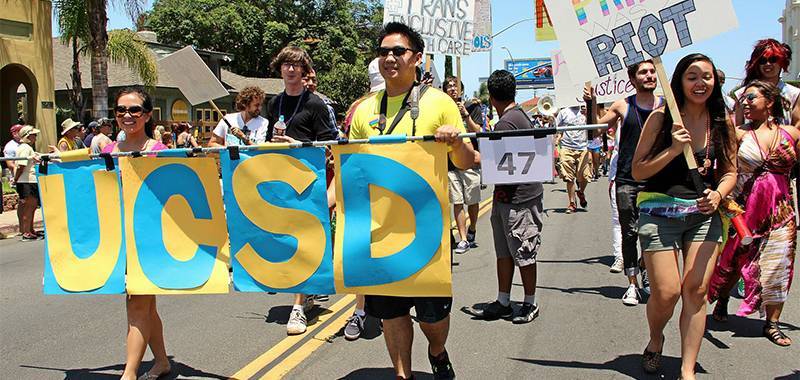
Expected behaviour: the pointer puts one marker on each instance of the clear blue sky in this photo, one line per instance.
(757, 20)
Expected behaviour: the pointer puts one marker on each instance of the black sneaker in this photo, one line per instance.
(471, 239)
(496, 310)
(441, 366)
(526, 314)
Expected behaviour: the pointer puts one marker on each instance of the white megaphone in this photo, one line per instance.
(547, 105)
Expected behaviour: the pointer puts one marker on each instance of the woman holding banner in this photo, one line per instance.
(133, 112)
(673, 218)
(767, 153)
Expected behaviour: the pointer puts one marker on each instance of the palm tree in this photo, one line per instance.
(89, 28)
(73, 25)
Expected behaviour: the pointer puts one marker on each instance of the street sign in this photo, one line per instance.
(532, 72)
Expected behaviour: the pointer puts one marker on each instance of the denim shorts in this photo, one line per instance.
(657, 233)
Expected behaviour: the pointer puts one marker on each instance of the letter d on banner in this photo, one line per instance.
(84, 250)
(174, 226)
(392, 207)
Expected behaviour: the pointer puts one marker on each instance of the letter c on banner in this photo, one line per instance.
(161, 266)
(359, 172)
(83, 271)
(311, 239)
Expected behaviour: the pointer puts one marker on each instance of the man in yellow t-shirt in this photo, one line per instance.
(400, 52)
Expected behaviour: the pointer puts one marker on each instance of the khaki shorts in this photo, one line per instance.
(575, 164)
(516, 229)
(657, 233)
(465, 187)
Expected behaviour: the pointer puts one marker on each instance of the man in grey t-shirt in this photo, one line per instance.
(516, 216)
(574, 155)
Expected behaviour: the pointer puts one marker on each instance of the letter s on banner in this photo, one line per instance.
(392, 206)
(84, 251)
(174, 226)
(277, 209)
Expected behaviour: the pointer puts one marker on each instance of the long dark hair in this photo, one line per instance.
(771, 93)
(147, 104)
(722, 135)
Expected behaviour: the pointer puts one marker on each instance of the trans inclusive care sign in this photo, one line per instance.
(606, 36)
(446, 25)
(157, 225)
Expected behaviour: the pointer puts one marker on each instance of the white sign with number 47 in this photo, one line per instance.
(511, 160)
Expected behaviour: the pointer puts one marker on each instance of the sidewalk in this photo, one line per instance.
(9, 227)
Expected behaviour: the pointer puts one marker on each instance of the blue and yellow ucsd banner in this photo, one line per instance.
(174, 226)
(277, 212)
(392, 209)
(84, 249)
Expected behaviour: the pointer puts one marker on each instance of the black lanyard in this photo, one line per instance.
(402, 112)
(296, 107)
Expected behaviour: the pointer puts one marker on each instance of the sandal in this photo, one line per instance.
(651, 361)
(720, 313)
(773, 332)
(153, 376)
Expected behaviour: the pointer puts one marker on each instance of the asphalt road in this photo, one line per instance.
(583, 331)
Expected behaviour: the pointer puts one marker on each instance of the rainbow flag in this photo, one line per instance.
(659, 204)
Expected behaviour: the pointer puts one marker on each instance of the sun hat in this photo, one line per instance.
(68, 124)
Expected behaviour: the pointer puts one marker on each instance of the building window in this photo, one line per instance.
(156, 113)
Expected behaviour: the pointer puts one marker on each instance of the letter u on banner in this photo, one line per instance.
(84, 250)
(277, 209)
(392, 205)
(174, 226)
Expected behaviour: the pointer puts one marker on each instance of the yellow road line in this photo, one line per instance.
(482, 208)
(304, 351)
(279, 349)
(307, 348)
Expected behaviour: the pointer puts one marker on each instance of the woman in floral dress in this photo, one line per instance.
(767, 152)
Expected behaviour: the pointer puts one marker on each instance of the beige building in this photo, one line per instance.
(791, 36)
(26, 60)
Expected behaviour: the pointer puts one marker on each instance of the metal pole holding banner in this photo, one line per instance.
(388, 139)
(688, 152)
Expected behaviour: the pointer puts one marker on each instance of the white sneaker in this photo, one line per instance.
(462, 247)
(617, 266)
(631, 297)
(297, 322)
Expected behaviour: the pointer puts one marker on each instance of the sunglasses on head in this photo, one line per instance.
(765, 60)
(396, 51)
(134, 111)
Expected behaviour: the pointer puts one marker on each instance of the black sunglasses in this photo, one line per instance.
(749, 97)
(135, 111)
(396, 51)
(765, 60)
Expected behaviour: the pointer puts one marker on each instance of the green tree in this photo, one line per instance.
(482, 94)
(339, 35)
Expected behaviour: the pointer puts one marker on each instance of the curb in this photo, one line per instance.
(12, 230)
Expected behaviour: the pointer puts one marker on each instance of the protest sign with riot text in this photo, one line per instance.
(611, 35)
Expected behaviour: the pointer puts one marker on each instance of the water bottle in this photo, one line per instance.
(280, 127)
